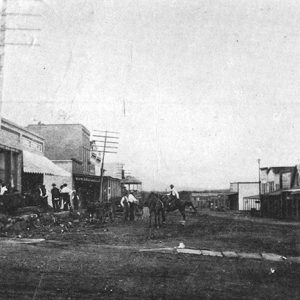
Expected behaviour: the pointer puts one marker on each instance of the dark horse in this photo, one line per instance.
(180, 204)
(159, 204)
(156, 208)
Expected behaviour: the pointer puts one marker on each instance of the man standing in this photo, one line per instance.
(66, 196)
(3, 189)
(55, 197)
(44, 196)
(125, 204)
(132, 202)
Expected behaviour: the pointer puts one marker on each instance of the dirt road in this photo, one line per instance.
(103, 262)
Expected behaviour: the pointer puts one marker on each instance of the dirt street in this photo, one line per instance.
(104, 262)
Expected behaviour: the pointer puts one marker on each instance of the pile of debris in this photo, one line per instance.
(31, 221)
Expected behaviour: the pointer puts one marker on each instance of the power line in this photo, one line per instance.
(104, 136)
(21, 14)
(116, 132)
(112, 147)
(108, 142)
(21, 44)
(20, 29)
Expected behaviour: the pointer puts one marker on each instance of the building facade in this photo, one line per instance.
(22, 161)
(69, 146)
(239, 191)
(276, 178)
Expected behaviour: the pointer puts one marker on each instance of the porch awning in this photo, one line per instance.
(35, 163)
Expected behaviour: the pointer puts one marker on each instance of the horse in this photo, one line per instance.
(179, 204)
(156, 209)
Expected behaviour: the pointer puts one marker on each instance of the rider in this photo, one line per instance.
(174, 196)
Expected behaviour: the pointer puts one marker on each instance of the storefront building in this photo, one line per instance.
(22, 161)
(69, 147)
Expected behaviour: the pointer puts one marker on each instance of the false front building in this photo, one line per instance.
(23, 165)
(69, 146)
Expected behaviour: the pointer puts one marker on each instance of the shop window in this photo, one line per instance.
(271, 186)
(263, 188)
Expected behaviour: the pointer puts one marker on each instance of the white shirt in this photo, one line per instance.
(65, 189)
(174, 193)
(122, 200)
(3, 190)
(130, 198)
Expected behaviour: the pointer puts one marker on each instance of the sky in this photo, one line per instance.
(199, 90)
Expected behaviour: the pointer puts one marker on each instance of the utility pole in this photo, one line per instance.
(2, 44)
(3, 29)
(107, 140)
(259, 183)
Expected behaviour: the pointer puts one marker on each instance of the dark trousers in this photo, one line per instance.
(56, 204)
(126, 211)
(76, 203)
(66, 201)
(44, 201)
(131, 211)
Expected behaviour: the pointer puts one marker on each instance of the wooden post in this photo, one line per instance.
(102, 169)
(2, 47)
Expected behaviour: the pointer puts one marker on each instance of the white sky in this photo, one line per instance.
(209, 86)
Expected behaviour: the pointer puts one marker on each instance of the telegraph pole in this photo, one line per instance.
(107, 140)
(2, 44)
(3, 29)
(258, 161)
(259, 183)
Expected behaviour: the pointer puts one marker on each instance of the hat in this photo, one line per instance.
(53, 184)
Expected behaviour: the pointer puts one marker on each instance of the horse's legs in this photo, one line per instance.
(158, 219)
(182, 211)
(163, 216)
(150, 217)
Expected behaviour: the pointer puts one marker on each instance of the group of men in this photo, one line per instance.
(64, 198)
(129, 202)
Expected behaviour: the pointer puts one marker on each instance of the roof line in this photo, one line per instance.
(20, 128)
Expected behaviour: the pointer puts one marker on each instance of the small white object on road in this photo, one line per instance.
(181, 246)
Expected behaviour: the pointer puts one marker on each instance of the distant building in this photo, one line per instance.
(208, 199)
(275, 178)
(239, 191)
(280, 197)
(111, 188)
(132, 184)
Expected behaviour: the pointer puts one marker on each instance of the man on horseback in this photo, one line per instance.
(174, 197)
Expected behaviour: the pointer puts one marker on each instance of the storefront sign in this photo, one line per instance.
(87, 179)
